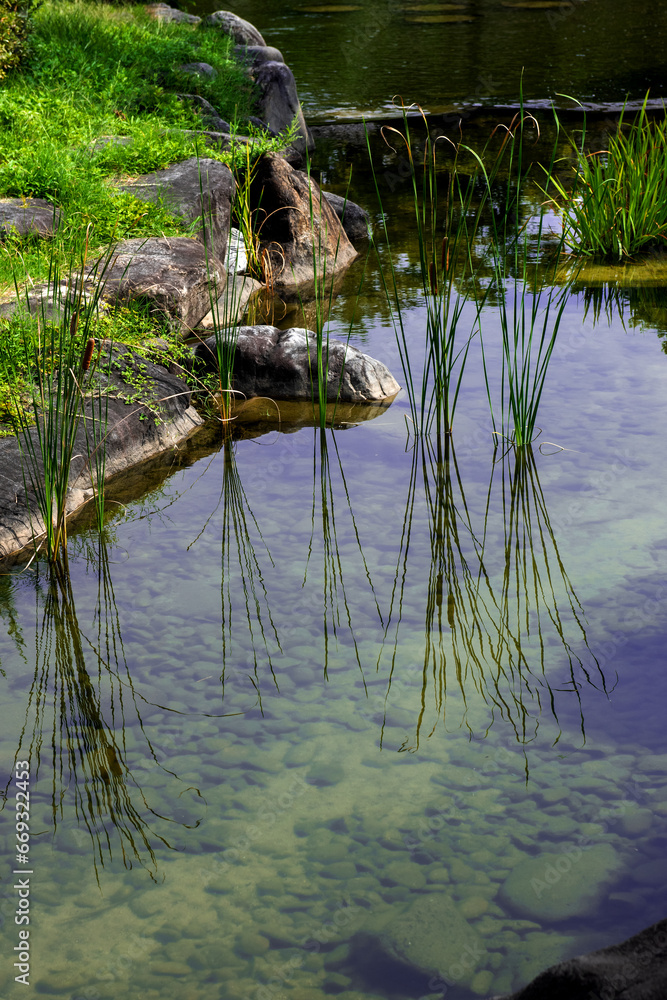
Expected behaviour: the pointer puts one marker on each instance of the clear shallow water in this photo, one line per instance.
(318, 696)
(485, 742)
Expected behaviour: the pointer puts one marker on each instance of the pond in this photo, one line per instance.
(317, 700)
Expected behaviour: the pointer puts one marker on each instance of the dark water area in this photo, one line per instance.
(351, 60)
(328, 713)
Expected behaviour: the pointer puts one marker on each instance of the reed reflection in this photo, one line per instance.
(336, 605)
(248, 632)
(502, 621)
(80, 706)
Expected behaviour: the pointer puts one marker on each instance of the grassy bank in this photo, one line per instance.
(95, 71)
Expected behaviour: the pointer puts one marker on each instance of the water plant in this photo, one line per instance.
(321, 293)
(48, 371)
(243, 591)
(446, 223)
(335, 602)
(616, 205)
(529, 305)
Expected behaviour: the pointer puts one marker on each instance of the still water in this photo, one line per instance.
(352, 59)
(336, 714)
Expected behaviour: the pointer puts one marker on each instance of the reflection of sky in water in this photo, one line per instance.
(335, 821)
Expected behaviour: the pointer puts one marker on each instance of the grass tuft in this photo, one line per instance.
(617, 206)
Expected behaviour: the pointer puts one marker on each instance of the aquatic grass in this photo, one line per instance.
(56, 355)
(222, 299)
(242, 578)
(446, 223)
(322, 296)
(250, 218)
(616, 206)
(529, 305)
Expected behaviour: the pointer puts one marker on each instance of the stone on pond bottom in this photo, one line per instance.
(554, 887)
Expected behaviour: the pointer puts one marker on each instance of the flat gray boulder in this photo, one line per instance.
(353, 217)
(28, 215)
(278, 104)
(633, 970)
(180, 187)
(281, 364)
(172, 274)
(243, 32)
(282, 198)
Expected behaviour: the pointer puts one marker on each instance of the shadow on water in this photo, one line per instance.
(502, 621)
(80, 705)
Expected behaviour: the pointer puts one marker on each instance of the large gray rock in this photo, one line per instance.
(172, 274)
(432, 937)
(49, 302)
(202, 70)
(282, 199)
(633, 970)
(28, 215)
(134, 432)
(163, 12)
(278, 104)
(180, 189)
(232, 303)
(353, 217)
(281, 364)
(243, 32)
(255, 55)
(210, 118)
(554, 887)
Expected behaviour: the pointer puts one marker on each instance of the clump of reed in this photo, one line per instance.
(82, 702)
(322, 295)
(446, 223)
(617, 205)
(49, 376)
(508, 632)
(529, 305)
(478, 265)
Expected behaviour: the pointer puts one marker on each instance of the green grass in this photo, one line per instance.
(617, 205)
